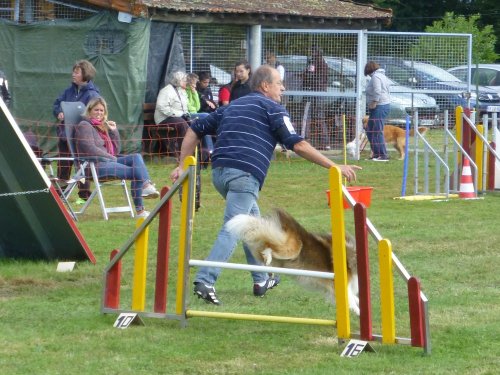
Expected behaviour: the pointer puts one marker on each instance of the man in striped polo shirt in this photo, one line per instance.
(247, 132)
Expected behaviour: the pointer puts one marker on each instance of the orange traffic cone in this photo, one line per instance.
(466, 185)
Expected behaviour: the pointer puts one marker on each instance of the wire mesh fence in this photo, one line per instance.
(323, 75)
(42, 10)
(214, 49)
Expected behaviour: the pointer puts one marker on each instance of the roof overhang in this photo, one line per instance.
(336, 14)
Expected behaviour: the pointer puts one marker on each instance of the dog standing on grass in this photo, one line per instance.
(278, 240)
(392, 135)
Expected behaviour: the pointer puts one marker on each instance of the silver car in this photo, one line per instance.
(342, 84)
(487, 75)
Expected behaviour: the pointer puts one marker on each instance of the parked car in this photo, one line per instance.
(487, 75)
(342, 81)
(437, 81)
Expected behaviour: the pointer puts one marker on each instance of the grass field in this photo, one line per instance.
(50, 323)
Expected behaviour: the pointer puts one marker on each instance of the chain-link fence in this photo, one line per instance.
(320, 75)
(325, 81)
(214, 49)
(42, 10)
(323, 69)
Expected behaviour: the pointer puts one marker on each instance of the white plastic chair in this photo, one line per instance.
(73, 112)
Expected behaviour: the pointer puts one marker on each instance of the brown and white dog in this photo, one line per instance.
(392, 135)
(278, 240)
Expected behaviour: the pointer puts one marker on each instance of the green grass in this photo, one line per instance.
(50, 323)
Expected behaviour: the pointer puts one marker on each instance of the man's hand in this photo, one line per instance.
(175, 174)
(349, 171)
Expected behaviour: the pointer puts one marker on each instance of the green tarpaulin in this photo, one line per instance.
(38, 59)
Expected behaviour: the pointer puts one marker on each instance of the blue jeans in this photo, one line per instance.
(241, 191)
(127, 167)
(375, 130)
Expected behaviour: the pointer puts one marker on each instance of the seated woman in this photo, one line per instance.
(172, 107)
(96, 136)
(194, 105)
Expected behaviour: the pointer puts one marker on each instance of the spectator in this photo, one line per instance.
(194, 105)
(315, 78)
(271, 60)
(242, 73)
(207, 103)
(225, 93)
(4, 89)
(378, 99)
(172, 107)
(98, 137)
(82, 89)
(247, 132)
(193, 99)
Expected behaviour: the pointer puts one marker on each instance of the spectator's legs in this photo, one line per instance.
(129, 167)
(375, 130)
(180, 125)
(64, 166)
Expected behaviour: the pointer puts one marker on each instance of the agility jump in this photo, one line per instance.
(469, 141)
(417, 300)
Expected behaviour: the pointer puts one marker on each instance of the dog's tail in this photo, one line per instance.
(256, 231)
(421, 130)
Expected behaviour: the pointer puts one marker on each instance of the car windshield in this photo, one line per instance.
(222, 77)
(433, 73)
(346, 66)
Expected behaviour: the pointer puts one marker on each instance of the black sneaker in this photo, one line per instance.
(259, 291)
(206, 292)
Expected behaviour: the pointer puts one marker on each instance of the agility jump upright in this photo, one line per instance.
(111, 290)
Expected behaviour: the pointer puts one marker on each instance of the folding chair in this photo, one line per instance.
(72, 116)
(46, 162)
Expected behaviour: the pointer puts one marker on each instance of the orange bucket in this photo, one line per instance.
(365, 195)
(361, 194)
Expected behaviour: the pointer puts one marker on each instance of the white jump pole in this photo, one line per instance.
(248, 267)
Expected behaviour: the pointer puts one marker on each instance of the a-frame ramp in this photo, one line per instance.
(34, 223)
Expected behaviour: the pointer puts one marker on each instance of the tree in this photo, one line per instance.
(483, 39)
(417, 15)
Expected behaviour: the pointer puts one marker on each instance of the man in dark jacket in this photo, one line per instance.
(315, 78)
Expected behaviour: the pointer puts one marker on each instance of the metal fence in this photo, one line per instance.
(323, 73)
(42, 10)
(325, 81)
(214, 49)
(323, 69)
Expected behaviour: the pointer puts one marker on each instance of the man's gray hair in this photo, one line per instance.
(264, 73)
(177, 77)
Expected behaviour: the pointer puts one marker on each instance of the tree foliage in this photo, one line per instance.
(483, 39)
(418, 15)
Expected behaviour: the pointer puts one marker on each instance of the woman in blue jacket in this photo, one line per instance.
(82, 89)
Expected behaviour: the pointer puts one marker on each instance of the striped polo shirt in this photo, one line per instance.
(247, 131)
